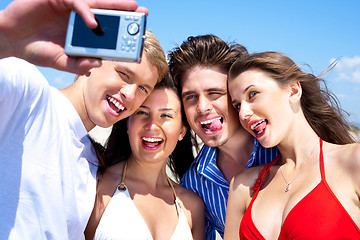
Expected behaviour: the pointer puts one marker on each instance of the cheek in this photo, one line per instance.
(139, 99)
(189, 113)
(172, 131)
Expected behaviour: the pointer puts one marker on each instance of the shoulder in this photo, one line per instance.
(17, 67)
(348, 154)
(247, 178)
(240, 193)
(17, 74)
(343, 159)
(190, 199)
(192, 204)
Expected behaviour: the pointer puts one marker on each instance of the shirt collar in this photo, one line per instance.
(207, 164)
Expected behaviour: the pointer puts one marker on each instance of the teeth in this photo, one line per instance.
(152, 139)
(116, 103)
(256, 124)
(210, 121)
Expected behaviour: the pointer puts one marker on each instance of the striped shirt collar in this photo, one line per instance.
(207, 164)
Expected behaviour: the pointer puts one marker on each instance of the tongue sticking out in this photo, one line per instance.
(260, 127)
(215, 125)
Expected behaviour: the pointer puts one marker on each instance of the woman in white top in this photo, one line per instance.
(135, 198)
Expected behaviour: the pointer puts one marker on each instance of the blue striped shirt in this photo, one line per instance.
(205, 179)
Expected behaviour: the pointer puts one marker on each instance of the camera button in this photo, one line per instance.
(133, 28)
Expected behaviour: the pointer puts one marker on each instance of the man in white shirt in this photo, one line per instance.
(47, 166)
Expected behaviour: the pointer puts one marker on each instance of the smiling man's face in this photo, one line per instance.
(207, 105)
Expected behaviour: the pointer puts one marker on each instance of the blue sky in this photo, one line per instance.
(310, 32)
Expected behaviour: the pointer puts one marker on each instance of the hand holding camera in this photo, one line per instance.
(40, 41)
(118, 36)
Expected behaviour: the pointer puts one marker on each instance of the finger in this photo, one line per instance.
(143, 10)
(83, 8)
(77, 65)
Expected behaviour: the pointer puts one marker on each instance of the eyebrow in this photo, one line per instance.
(187, 93)
(245, 90)
(165, 109)
(207, 90)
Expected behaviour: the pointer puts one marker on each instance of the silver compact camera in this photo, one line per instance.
(119, 36)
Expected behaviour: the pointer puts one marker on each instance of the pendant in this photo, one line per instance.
(122, 187)
(287, 187)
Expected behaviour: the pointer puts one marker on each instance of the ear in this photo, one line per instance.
(182, 132)
(295, 92)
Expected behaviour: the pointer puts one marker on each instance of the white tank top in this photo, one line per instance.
(121, 220)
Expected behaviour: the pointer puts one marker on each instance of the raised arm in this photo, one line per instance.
(36, 30)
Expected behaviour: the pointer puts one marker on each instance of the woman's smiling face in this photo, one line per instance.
(264, 106)
(155, 128)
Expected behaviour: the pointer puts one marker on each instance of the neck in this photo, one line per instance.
(299, 143)
(234, 154)
(151, 174)
(75, 95)
(238, 148)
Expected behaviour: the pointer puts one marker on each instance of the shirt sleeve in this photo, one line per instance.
(21, 84)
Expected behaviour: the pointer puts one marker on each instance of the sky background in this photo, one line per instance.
(310, 32)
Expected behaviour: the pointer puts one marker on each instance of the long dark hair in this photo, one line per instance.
(321, 108)
(117, 147)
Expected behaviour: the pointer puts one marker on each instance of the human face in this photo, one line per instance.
(116, 89)
(264, 106)
(207, 105)
(155, 128)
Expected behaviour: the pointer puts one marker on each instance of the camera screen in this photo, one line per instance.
(85, 37)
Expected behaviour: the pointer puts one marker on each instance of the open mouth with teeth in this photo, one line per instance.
(115, 104)
(151, 143)
(214, 124)
(259, 127)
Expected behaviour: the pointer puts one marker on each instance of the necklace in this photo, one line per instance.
(287, 188)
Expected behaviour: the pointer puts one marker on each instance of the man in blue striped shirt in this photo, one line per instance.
(200, 67)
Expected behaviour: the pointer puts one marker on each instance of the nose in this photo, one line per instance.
(128, 91)
(151, 123)
(203, 105)
(245, 111)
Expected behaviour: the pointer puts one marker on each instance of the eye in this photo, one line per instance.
(140, 112)
(166, 115)
(121, 73)
(252, 94)
(215, 93)
(189, 97)
(142, 88)
(237, 106)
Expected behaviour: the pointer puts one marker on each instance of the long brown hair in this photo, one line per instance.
(321, 107)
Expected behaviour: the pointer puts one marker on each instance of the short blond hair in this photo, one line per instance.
(155, 54)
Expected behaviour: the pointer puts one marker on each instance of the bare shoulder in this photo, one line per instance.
(190, 199)
(348, 154)
(344, 157)
(194, 210)
(247, 178)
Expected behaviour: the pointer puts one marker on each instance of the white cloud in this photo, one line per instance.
(347, 69)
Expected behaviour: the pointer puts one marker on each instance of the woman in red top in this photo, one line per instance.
(312, 189)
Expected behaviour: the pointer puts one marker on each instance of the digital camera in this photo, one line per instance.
(119, 36)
